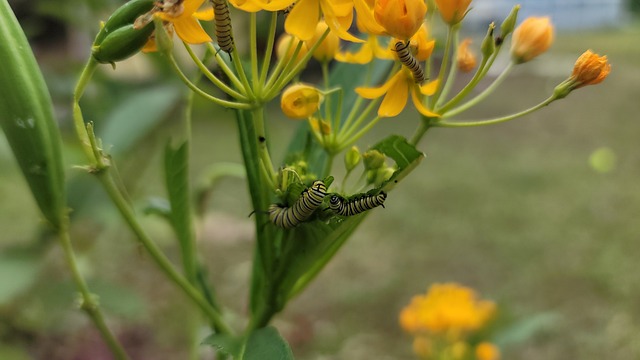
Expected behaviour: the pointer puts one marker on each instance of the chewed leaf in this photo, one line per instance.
(266, 343)
(406, 156)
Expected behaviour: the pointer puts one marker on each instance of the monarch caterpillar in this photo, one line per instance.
(344, 207)
(309, 201)
(223, 25)
(407, 59)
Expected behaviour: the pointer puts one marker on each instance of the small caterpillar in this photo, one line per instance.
(344, 207)
(222, 18)
(407, 59)
(301, 210)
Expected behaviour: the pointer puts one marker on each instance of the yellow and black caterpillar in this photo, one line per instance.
(407, 59)
(301, 210)
(344, 207)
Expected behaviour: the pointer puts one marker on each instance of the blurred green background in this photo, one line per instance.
(539, 215)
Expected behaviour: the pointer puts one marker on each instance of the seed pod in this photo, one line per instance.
(26, 117)
(124, 15)
(121, 44)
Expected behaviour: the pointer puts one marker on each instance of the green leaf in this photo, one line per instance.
(404, 154)
(267, 344)
(526, 329)
(26, 117)
(225, 343)
(137, 116)
(176, 166)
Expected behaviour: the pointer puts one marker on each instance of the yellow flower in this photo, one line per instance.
(446, 309)
(320, 126)
(327, 50)
(186, 23)
(370, 49)
(396, 93)
(487, 351)
(286, 47)
(533, 37)
(365, 19)
(423, 45)
(423, 347)
(299, 101)
(452, 11)
(590, 69)
(400, 18)
(466, 60)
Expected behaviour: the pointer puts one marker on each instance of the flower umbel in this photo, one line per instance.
(446, 308)
(300, 101)
(532, 38)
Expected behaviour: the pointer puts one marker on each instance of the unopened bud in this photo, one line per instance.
(373, 159)
(352, 158)
(509, 22)
(488, 44)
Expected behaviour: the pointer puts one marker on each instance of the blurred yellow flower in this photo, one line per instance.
(590, 69)
(452, 11)
(400, 18)
(533, 37)
(487, 351)
(396, 93)
(286, 48)
(366, 53)
(422, 43)
(446, 308)
(466, 59)
(327, 50)
(300, 101)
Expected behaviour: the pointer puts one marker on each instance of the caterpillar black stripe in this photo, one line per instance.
(407, 59)
(301, 210)
(343, 207)
(222, 18)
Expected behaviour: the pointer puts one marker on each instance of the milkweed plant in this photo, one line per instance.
(374, 56)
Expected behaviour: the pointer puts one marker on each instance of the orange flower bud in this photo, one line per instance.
(299, 101)
(466, 60)
(286, 47)
(590, 69)
(329, 47)
(531, 38)
(400, 18)
(452, 11)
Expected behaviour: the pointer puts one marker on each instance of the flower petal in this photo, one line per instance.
(274, 5)
(396, 98)
(190, 31)
(339, 24)
(302, 20)
(205, 14)
(429, 88)
(366, 21)
(190, 7)
(417, 102)
(363, 56)
(376, 92)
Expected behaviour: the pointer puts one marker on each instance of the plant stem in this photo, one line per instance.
(425, 125)
(217, 82)
(161, 260)
(490, 89)
(443, 123)
(268, 49)
(89, 303)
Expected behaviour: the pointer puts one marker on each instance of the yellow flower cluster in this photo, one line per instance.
(443, 318)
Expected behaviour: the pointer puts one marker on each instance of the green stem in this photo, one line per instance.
(353, 138)
(454, 68)
(490, 89)
(445, 63)
(425, 125)
(269, 49)
(197, 90)
(225, 67)
(161, 260)
(327, 100)
(443, 123)
(348, 129)
(217, 82)
(253, 45)
(263, 150)
(78, 121)
(89, 303)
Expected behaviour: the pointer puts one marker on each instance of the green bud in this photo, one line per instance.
(372, 175)
(121, 44)
(124, 15)
(488, 44)
(164, 41)
(373, 159)
(352, 158)
(509, 23)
